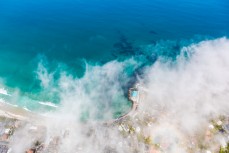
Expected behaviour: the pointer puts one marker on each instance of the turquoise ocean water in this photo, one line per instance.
(68, 36)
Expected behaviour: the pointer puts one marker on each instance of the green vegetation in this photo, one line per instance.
(148, 140)
(219, 127)
(37, 143)
(224, 149)
(131, 129)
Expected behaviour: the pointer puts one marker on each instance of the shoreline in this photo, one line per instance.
(15, 112)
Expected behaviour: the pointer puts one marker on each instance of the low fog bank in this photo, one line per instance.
(181, 95)
(193, 88)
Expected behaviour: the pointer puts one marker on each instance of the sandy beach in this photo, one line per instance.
(10, 111)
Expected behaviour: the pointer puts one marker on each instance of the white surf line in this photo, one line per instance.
(4, 102)
(25, 108)
(4, 92)
(20, 113)
(48, 104)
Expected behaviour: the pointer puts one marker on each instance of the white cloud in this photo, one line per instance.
(183, 95)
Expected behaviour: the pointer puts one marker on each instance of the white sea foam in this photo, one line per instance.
(47, 103)
(25, 108)
(3, 101)
(4, 91)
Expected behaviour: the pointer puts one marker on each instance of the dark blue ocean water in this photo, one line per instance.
(97, 31)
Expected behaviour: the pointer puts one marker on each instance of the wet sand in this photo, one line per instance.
(10, 111)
